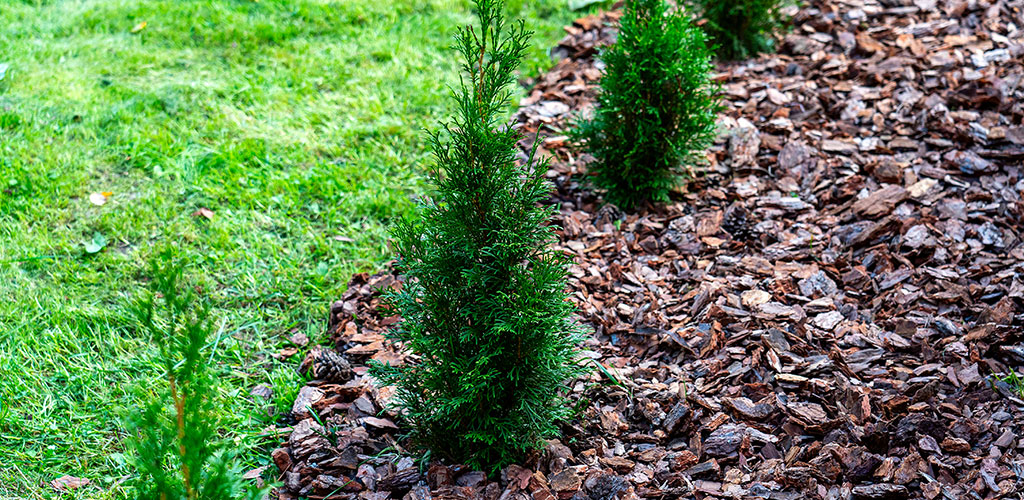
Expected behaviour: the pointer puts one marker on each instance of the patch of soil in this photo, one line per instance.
(821, 315)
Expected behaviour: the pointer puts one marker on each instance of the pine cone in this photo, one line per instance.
(326, 364)
(738, 224)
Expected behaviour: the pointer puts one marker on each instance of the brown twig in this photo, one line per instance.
(179, 408)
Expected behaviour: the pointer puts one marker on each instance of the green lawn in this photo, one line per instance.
(298, 123)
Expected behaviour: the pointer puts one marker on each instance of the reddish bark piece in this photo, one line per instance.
(880, 202)
(567, 480)
(379, 423)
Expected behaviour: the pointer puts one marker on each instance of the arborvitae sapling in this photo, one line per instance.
(178, 453)
(742, 28)
(656, 107)
(484, 305)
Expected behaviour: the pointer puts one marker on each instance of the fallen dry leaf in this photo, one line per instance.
(100, 199)
(380, 423)
(68, 483)
(256, 474)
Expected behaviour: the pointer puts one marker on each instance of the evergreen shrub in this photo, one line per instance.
(742, 28)
(656, 107)
(484, 304)
(178, 453)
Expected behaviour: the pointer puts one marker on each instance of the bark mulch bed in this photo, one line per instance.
(822, 314)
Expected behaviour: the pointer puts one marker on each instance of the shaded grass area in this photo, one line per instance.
(297, 123)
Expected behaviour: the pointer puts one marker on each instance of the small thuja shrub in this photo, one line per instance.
(178, 454)
(742, 28)
(656, 107)
(484, 305)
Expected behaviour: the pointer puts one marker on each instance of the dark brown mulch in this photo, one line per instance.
(822, 315)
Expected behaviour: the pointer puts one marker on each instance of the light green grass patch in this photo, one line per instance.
(298, 123)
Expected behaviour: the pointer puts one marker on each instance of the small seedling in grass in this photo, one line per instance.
(1016, 382)
(656, 109)
(423, 461)
(613, 378)
(284, 384)
(581, 405)
(484, 306)
(330, 432)
(178, 453)
(97, 243)
(742, 28)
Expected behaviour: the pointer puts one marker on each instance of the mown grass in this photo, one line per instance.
(298, 123)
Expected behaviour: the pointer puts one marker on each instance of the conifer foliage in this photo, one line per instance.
(656, 107)
(484, 305)
(178, 453)
(742, 28)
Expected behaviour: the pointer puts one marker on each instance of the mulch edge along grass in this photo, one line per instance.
(829, 313)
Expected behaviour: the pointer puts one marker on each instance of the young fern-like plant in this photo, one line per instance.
(742, 28)
(178, 453)
(484, 306)
(656, 107)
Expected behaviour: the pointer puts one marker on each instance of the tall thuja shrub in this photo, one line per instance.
(484, 306)
(656, 107)
(742, 28)
(178, 453)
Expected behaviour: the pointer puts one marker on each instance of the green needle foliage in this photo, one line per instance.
(484, 307)
(656, 108)
(742, 28)
(178, 452)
